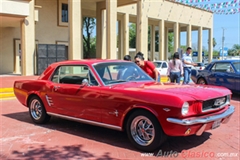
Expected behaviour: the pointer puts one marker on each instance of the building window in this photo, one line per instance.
(64, 12)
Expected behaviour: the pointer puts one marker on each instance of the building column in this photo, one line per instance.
(179, 37)
(176, 33)
(126, 34)
(166, 44)
(161, 40)
(120, 39)
(142, 28)
(111, 7)
(28, 42)
(210, 45)
(200, 44)
(153, 41)
(75, 30)
(189, 35)
(104, 35)
(99, 30)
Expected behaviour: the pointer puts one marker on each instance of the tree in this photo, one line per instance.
(132, 35)
(235, 50)
(89, 42)
(170, 42)
(214, 42)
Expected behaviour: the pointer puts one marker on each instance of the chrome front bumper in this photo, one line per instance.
(203, 120)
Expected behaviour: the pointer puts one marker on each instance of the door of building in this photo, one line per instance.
(17, 56)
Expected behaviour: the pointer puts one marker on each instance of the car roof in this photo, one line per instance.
(85, 61)
(229, 61)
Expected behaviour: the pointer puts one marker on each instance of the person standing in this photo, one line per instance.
(127, 58)
(175, 69)
(187, 65)
(147, 66)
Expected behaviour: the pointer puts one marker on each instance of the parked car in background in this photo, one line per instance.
(103, 93)
(200, 66)
(220, 73)
(162, 67)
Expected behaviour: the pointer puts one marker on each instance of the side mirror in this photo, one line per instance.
(85, 82)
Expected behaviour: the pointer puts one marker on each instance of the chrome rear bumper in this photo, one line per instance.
(203, 120)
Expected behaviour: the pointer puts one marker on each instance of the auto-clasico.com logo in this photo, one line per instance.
(188, 154)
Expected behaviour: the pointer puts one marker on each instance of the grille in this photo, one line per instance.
(209, 104)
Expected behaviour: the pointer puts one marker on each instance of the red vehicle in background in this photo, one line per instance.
(118, 95)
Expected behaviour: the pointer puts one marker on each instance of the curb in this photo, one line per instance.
(6, 93)
(2, 90)
(164, 79)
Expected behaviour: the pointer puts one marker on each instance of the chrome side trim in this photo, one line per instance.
(86, 121)
(191, 121)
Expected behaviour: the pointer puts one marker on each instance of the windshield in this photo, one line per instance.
(237, 66)
(118, 72)
(157, 64)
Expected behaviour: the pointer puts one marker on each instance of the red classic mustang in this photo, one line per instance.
(117, 94)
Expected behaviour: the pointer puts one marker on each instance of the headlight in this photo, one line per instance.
(185, 108)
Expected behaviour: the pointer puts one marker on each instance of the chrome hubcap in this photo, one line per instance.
(36, 109)
(142, 130)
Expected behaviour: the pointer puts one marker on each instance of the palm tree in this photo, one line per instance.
(214, 43)
(235, 50)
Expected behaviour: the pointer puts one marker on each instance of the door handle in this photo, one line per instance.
(55, 88)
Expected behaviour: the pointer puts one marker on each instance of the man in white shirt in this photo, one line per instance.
(187, 65)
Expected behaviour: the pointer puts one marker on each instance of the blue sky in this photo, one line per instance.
(230, 23)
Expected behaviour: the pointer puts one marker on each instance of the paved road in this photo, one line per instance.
(63, 139)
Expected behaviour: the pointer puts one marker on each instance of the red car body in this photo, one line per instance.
(133, 104)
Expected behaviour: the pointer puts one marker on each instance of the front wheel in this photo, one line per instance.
(144, 131)
(37, 111)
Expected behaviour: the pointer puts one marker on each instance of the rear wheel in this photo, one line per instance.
(37, 110)
(144, 131)
(201, 81)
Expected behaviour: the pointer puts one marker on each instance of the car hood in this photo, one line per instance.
(198, 92)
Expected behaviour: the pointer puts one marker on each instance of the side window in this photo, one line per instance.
(73, 75)
(230, 69)
(222, 67)
(213, 68)
(164, 65)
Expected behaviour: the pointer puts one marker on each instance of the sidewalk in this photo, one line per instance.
(6, 84)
